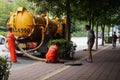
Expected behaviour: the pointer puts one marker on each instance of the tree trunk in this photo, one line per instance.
(93, 22)
(103, 30)
(68, 22)
(108, 31)
(96, 34)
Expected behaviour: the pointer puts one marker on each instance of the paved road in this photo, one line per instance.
(24, 61)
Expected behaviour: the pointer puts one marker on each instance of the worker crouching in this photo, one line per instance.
(52, 54)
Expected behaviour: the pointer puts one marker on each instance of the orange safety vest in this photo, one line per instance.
(52, 54)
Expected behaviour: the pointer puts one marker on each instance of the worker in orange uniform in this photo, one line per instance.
(11, 45)
(52, 54)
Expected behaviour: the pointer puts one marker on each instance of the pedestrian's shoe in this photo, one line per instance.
(89, 61)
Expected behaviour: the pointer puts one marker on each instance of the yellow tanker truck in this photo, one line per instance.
(34, 31)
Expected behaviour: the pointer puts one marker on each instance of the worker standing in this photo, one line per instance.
(11, 45)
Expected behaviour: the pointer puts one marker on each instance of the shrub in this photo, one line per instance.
(5, 66)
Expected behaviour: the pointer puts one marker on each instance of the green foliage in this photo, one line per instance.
(105, 11)
(24, 3)
(79, 34)
(108, 39)
(4, 11)
(5, 66)
(3, 33)
(64, 48)
(79, 30)
(7, 7)
(2, 28)
(54, 7)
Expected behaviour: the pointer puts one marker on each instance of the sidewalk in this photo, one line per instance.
(105, 67)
